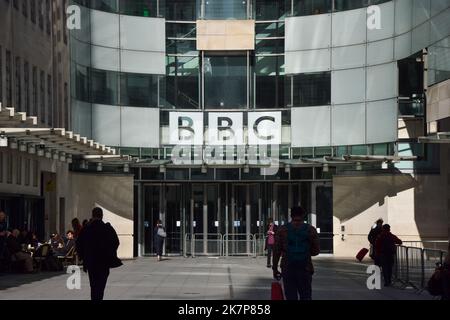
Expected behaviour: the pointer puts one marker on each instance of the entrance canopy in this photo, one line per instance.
(17, 131)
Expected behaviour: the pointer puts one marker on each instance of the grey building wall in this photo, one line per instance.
(33, 36)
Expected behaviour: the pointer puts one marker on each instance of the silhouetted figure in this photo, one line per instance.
(386, 250)
(3, 230)
(15, 249)
(270, 240)
(372, 237)
(446, 276)
(295, 243)
(97, 247)
(159, 235)
(76, 227)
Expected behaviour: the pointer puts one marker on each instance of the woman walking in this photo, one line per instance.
(159, 234)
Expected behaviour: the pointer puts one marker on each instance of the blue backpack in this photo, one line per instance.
(298, 247)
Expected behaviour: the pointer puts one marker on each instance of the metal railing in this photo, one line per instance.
(206, 244)
(414, 266)
(239, 244)
(428, 244)
(216, 244)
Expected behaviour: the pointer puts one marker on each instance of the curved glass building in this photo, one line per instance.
(340, 85)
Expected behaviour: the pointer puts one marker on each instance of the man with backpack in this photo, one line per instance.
(295, 244)
(386, 250)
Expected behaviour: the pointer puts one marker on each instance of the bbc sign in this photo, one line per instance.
(187, 128)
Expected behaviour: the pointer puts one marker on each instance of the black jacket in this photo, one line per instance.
(373, 234)
(97, 245)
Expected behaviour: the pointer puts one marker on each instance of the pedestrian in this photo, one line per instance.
(372, 237)
(270, 240)
(296, 243)
(97, 247)
(386, 250)
(159, 235)
(76, 227)
(3, 230)
(446, 276)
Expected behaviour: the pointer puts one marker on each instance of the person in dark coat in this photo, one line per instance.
(270, 240)
(97, 247)
(446, 277)
(372, 237)
(386, 250)
(3, 230)
(159, 234)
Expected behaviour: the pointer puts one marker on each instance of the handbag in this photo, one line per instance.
(161, 232)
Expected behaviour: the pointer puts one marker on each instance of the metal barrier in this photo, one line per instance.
(238, 244)
(428, 244)
(260, 244)
(414, 266)
(206, 245)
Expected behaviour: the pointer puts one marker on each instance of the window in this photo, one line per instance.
(82, 83)
(25, 8)
(47, 16)
(18, 102)
(41, 110)
(181, 10)
(34, 105)
(143, 8)
(26, 82)
(140, 90)
(27, 171)
(1, 167)
(40, 16)
(33, 11)
(8, 78)
(1, 74)
(270, 9)
(64, 21)
(9, 168)
(49, 100)
(310, 7)
(19, 170)
(313, 89)
(270, 82)
(104, 5)
(35, 173)
(104, 87)
(182, 82)
(225, 81)
(226, 9)
(66, 106)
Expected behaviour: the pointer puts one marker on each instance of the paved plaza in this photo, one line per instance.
(203, 278)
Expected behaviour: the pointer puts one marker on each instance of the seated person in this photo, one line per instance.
(57, 245)
(15, 249)
(70, 241)
(35, 243)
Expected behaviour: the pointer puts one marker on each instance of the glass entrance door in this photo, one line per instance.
(163, 202)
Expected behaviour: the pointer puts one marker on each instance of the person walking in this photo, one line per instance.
(372, 237)
(386, 250)
(159, 235)
(97, 246)
(3, 230)
(446, 276)
(270, 240)
(295, 244)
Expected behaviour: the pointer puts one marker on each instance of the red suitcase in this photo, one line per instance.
(361, 254)
(277, 291)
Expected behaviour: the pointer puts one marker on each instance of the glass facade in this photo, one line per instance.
(225, 82)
